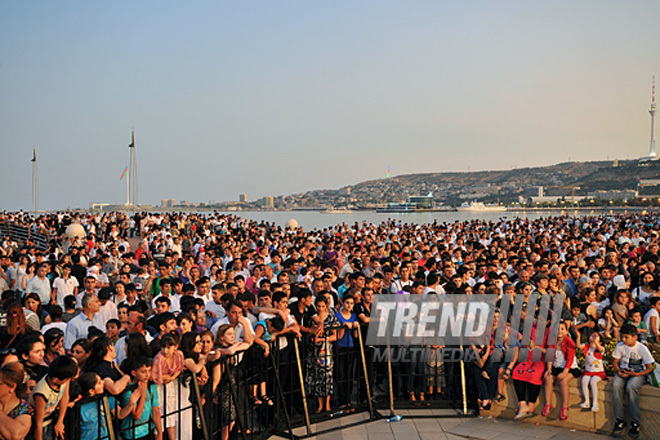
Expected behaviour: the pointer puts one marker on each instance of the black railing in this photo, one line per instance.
(297, 377)
(22, 233)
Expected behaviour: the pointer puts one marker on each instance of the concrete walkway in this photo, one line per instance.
(436, 425)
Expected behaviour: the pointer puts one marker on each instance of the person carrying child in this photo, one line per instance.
(632, 362)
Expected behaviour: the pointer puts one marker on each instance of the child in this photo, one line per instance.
(168, 365)
(112, 328)
(578, 321)
(92, 418)
(264, 332)
(636, 320)
(50, 393)
(632, 362)
(594, 370)
(607, 325)
(146, 414)
(562, 368)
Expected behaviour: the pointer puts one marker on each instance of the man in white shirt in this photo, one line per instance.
(214, 307)
(107, 309)
(64, 285)
(242, 329)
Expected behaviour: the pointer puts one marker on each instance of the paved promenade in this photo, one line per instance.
(441, 428)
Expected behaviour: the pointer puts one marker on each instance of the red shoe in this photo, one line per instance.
(546, 410)
(563, 415)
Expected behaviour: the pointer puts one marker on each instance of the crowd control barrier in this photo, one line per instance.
(292, 385)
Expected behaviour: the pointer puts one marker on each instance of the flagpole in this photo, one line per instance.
(128, 192)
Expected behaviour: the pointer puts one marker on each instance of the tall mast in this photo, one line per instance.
(652, 112)
(133, 173)
(35, 181)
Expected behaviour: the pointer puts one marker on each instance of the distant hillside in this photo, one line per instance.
(453, 188)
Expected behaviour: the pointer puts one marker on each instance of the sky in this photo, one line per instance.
(281, 97)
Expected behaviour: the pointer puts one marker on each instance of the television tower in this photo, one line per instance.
(133, 173)
(652, 112)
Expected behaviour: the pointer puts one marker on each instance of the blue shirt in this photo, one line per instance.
(131, 428)
(93, 427)
(267, 336)
(347, 339)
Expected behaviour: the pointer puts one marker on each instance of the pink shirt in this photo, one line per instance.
(162, 366)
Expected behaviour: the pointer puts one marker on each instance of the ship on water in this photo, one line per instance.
(342, 210)
(414, 204)
(480, 207)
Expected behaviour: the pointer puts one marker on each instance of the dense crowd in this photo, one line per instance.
(92, 315)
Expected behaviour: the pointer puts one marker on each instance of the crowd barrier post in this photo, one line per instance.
(463, 390)
(308, 425)
(390, 379)
(366, 374)
(234, 396)
(280, 392)
(108, 418)
(198, 399)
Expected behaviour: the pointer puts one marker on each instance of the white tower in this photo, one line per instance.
(652, 112)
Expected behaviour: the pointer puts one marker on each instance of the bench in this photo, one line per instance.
(583, 419)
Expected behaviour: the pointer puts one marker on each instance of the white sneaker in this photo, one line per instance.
(585, 404)
(595, 408)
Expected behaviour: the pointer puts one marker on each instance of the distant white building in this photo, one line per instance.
(242, 198)
(613, 195)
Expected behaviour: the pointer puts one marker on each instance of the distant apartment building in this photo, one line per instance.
(613, 195)
(242, 198)
(269, 202)
(649, 187)
(167, 203)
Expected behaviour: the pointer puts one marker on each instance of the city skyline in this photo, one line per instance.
(276, 99)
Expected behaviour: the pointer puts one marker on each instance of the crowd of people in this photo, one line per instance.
(200, 296)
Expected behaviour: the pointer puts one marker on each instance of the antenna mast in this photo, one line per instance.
(35, 181)
(133, 173)
(652, 112)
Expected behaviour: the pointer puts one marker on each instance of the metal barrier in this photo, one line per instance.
(179, 408)
(21, 233)
(298, 377)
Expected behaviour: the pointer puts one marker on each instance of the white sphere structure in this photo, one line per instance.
(292, 223)
(75, 231)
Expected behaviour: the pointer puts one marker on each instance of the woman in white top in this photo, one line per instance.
(647, 289)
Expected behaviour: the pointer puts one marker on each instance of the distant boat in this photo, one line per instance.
(336, 211)
(480, 207)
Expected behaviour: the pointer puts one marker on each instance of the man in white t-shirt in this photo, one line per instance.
(65, 285)
(632, 362)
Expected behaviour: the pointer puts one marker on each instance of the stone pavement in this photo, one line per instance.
(435, 425)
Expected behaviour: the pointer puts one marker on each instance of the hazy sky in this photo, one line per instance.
(279, 97)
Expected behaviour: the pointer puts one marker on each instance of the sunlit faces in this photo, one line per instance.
(36, 355)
